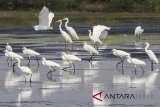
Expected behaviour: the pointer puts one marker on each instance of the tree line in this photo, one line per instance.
(84, 5)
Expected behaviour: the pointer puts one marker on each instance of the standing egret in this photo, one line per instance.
(50, 65)
(25, 70)
(151, 55)
(138, 31)
(9, 48)
(121, 54)
(97, 31)
(71, 31)
(13, 56)
(64, 34)
(69, 58)
(136, 62)
(90, 49)
(30, 53)
(45, 19)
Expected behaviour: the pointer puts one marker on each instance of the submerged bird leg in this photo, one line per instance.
(142, 70)
(152, 65)
(90, 59)
(122, 60)
(30, 79)
(14, 66)
(25, 79)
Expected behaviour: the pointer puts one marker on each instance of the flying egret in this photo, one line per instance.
(90, 49)
(13, 56)
(9, 48)
(71, 31)
(50, 64)
(69, 58)
(65, 35)
(151, 55)
(45, 20)
(138, 31)
(96, 33)
(25, 70)
(30, 53)
(136, 62)
(121, 54)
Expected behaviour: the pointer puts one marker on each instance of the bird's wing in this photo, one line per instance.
(72, 57)
(51, 63)
(67, 37)
(138, 62)
(50, 17)
(43, 17)
(26, 69)
(32, 52)
(92, 49)
(104, 34)
(122, 53)
(72, 32)
(97, 30)
(15, 55)
(152, 56)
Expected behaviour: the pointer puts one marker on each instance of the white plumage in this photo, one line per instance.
(69, 57)
(97, 31)
(8, 47)
(64, 34)
(70, 29)
(150, 54)
(12, 55)
(45, 19)
(24, 69)
(138, 30)
(30, 52)
(49, 63)
(120, 53)
(135, 61)
(90, 49)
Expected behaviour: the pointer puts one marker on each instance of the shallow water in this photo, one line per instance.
(65, 89)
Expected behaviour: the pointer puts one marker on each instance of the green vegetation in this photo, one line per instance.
(84, 5)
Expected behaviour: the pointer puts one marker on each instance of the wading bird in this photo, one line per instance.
(71, 31)
(136, 62)
(69, 58)
(121, 54)
(45, 20)
(13, 56)
(25, 70)
(138, 31)
(90, 49)
(50, 64)
(96, 33)
(30, 53)
(151, 55)
(64, 34)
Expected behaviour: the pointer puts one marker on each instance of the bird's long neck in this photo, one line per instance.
(146, 48)
(90, 33)
(66, 24)
(60, 26)
(19, 66)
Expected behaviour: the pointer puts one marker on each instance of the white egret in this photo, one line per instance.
(8, 47)
(138, 31)
(50, 64)
(121, 54)
(69, 58)
(90, 49)
(97, 31)
(25, 70)
(71, 31)
(65, 35)
(151, 55)
(45, 19)
(13, 56)
(136, 62)
(30, 53)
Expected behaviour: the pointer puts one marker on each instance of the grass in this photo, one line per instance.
(29, 18)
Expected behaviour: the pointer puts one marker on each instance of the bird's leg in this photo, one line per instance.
(65, 68)
(90, 59)
(25, 79)
(49, 74)
(29, 61)
(122, 67)
(65, 45)
(119, 62)
(14, 66)
(142, 70)
(38, 62)
(135, 70)
(73, 68)
(8, 61)
(30, 79)
(152, 65)
(96, 45)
